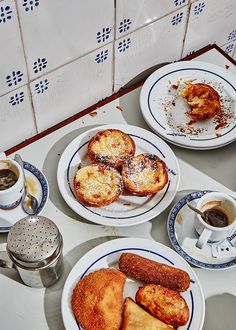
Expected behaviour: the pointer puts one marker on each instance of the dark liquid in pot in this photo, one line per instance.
(7, 179)
(216, 218)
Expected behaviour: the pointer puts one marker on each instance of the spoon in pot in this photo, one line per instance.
(29, 202)
(203, 215)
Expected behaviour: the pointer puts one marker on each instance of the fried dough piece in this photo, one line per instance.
(165, 304)
(97, 300)
(150, 271)
(98, 185)
(135, 318)
(144, 174)
(203, 100)
(111, 147)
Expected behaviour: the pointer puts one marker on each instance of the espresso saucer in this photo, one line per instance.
(38, 186)
(183, 236)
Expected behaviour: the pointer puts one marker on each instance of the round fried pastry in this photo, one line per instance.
(97, 300)
(111, 147)
(98, 185)
(144, 174)
(204, 101)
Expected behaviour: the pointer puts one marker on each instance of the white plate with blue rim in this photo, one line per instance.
(183, 237)
(128, 210)
(38, 187)
(165, 111)
(107, 255)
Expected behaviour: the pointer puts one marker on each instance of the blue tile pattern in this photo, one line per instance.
(14, 78)
(41, 86)
(232, 35)
(124, 45)
(5, 14)
(124, 25)
(177, 18)
(229, 48)
(102, 56)
(39, 65)
(103, 35)
(199, 8)
(179, 2)
(17, 98)
(30, 4)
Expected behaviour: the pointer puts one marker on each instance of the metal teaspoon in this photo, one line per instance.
(29, 202)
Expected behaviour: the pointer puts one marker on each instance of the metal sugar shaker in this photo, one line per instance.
(34, 245)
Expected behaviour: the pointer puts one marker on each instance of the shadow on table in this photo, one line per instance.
(220, 312)
(53, 294)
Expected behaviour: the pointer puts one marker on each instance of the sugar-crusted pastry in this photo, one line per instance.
(203, 100)
(97, 300)
(111, 147)
(98, 185)
(144, 174)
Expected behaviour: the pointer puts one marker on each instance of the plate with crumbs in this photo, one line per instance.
(165, 111)
(106, 255)
(129, 209)
(38, 187)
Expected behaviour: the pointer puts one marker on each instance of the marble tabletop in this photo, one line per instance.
(25, 308)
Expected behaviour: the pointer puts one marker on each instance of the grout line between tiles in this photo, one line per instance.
(113, 53)
(149, 23)
(27, 69)
(186, 26)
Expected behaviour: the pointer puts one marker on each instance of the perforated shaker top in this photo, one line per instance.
(34, 242)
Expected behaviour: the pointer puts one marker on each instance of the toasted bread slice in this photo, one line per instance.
(144, 174)
(97, 300)
(203, 100)
(135, 318)
(165, 304)
(111, 147)
(98, 185)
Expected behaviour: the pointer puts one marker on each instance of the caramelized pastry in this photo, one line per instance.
(165, 304)
(203, 100)
(111, 147)
(144, 174)
(98, 185)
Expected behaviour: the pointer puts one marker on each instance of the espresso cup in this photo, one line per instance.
(221, 209)
(11, 182)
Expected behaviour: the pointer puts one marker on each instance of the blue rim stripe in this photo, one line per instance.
(186, 69)
(110, 217)
(145, 250)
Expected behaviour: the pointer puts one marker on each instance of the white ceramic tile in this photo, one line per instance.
(72, 88)
(55, 32)
(16, 118)
(155, 43)
(229, 48)
(210, 21)
(13, 72)
(133, 14)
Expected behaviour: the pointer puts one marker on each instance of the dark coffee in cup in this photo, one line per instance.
(216, 218)
(7, 179)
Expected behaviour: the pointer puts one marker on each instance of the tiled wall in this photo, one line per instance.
(58, 57)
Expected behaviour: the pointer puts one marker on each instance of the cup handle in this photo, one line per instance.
(2, 155)
(5, 263)
(203, 238)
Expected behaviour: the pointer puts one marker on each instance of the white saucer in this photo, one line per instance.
(183, 236)
(39, 188)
